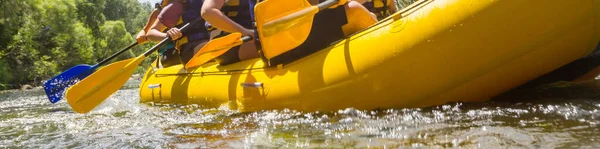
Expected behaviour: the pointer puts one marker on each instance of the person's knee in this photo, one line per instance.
(358, 18)
(373, 15)
(248, 51)
(353, 6)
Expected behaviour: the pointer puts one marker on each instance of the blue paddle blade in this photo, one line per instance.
(55, 87)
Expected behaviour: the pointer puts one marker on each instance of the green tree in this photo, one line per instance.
(124, 10)
(5, 75)
(90, 12)
(139, 20)
(64, 39)
(51, 39)
(114, 37)
(41, 38)
(20, 51)
(10, 18)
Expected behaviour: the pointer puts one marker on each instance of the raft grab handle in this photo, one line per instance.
(252, 85)
(153, 86)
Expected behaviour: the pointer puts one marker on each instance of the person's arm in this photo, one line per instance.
(392, 6)
(141, 36)
(155, 33)
(167, 18)
(212, 14)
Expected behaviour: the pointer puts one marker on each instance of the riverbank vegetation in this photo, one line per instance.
(42, 38)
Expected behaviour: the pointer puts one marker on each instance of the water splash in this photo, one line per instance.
(554, 116)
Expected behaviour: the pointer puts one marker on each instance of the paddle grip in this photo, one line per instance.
(246, 38)
(327, 4)
(185, 28)
(103, 62)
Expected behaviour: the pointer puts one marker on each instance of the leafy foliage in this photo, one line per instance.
(90, 13)
(41, 38)
(5, 75)
(114, 37)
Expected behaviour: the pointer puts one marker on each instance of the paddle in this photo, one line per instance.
(283, 25)
(300, 14)
(56, 86)
(91, 91)
(216, 47)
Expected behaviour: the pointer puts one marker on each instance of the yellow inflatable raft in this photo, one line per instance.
(430, 53)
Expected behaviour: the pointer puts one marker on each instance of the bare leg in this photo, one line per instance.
(248, 51)
(358, 16)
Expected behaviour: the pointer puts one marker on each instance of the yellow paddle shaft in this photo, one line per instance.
(300, 14)
(293, 17)
(131, 65)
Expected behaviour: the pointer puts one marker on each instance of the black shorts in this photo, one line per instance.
(187, 50)
(326, 29)
(229, 57)
(170, 58)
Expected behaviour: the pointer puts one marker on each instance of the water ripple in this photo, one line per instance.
(550, 117)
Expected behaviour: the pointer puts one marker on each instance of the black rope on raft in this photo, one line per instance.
(227, 72)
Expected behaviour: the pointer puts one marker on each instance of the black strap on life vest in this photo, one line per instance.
(257, 43)
(379, 11)
(383, 10)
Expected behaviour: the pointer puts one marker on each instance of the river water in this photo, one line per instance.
(560, 115)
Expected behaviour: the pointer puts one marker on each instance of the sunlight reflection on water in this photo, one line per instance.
(548, 117)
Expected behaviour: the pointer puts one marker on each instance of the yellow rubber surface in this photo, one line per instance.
(433, 52)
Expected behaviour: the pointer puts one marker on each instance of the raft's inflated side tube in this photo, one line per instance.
(434, 52)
